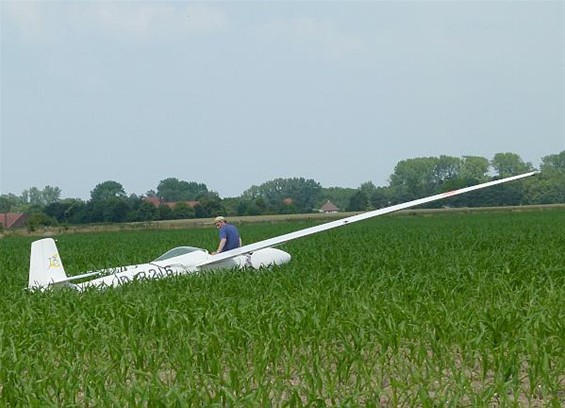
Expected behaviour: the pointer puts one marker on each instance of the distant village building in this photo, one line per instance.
(156, 201)
(13, 220)
(329, 208)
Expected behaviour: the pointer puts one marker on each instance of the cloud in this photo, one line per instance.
(206, 18)
(322, 36)
(154, 19)
(136, 19)
(45, 21)
(25, 16)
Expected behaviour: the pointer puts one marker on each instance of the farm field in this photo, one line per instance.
(442, 309)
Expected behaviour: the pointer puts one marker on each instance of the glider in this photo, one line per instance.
(46, 269)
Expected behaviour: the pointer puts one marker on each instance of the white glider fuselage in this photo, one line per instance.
(185, 264)
(47, 271)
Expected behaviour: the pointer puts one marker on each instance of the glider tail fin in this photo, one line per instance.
(45, 265)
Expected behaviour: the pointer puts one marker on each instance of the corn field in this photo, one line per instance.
(442, 310)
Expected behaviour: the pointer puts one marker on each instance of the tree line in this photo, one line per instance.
(411, 179)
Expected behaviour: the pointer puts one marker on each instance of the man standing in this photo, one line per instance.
(229, 236)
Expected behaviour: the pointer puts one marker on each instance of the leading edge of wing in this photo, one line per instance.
(271, 242)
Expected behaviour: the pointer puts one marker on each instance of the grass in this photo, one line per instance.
(431, 311)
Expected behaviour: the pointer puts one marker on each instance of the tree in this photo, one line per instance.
(509, 164)
(548, 187)
(13, 202)
(39, 219)
(251, 207)
(5, 204)
(474, 168)
(106, 191)
(553, 162)
(358, 201)
(77, 213)
(201, 212)
(32, 196)
(146, 212)
(368, 189)
(57, 210)
(447, 168)
(183, 210)
(233, 206)
(51, 195)
(173, 190)
(210, 205)
(305, 194)
(381, 197)
(115, 210)
(165, 212)
(35, 196)
(108, 203)
(414, 178)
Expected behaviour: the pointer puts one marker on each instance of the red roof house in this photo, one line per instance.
(156, 201)
(13, 220)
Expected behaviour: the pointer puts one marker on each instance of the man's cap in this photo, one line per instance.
(219, 218)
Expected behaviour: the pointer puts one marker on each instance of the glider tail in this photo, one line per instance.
(45, 265)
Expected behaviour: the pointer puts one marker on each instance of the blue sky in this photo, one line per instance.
(234, 94)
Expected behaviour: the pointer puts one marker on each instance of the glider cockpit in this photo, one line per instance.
(178, 251)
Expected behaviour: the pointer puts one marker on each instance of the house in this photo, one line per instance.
(329, 208)
(13, 220)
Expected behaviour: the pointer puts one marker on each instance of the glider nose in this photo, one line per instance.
(269, 256)
(282, 257)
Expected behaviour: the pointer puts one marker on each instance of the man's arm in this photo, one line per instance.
(221, 246)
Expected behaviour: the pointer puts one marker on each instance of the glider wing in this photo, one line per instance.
(271, 242)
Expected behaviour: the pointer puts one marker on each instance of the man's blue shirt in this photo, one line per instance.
(229, 232)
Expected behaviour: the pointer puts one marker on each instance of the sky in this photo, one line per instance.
(235, 94)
